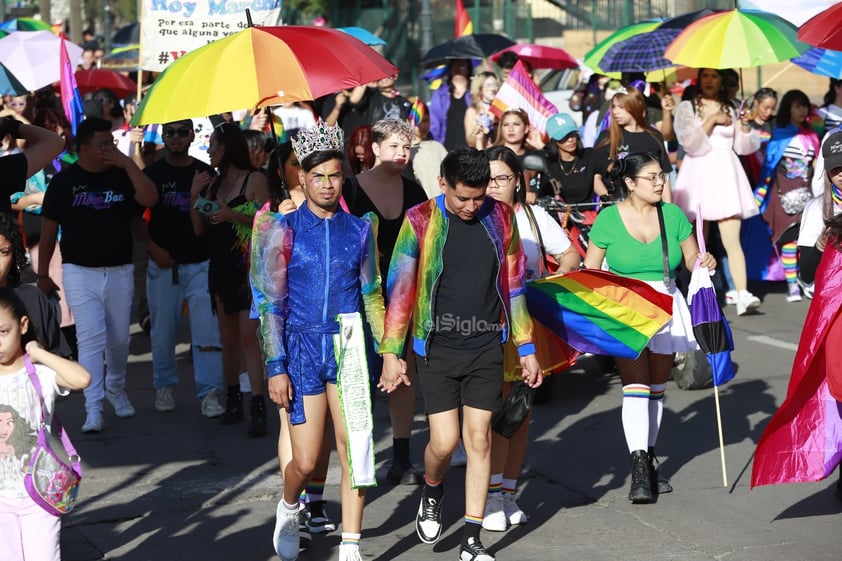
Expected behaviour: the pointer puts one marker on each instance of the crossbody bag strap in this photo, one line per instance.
(664, 247)
(543, 266)
(69, 449)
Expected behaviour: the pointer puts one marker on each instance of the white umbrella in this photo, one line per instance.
(33, 57)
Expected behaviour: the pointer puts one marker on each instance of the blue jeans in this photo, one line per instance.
(165, 301)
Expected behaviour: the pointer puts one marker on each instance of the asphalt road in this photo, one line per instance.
(178, 486)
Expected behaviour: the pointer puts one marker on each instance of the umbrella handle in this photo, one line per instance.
(284, 190)
(700, 232)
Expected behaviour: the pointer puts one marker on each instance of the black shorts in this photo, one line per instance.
(449, 379)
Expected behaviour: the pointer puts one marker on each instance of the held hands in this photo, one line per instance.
(532, 374)
(394, 373)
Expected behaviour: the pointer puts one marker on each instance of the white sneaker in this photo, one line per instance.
(245, 384)
(285, 538)
(793, 293)
(494, 519)
(731, 297)
(164, 400)
(93, 422)
(120, 401)
(746, 302)
(514, 515)
(349, 553)
(459, 457)
(210, 405)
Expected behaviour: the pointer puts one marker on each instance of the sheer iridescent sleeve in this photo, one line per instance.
(521, 329)
(401, 287)
(271, 247)
(689, 131)
(370, 280)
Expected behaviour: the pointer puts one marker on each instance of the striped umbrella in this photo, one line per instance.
(736, 39)
(594, 57)
(823, 62)
(645, 52)
(599, 312)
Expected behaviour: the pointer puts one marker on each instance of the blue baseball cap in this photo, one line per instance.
(560, 125)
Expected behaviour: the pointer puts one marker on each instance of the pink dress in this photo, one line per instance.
(711, 175)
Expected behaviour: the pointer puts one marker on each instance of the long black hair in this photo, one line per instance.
(629, 167)
(9, 300)
(784, 116)
(507, 156)
(9, 230)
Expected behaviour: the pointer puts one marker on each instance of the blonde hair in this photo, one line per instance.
(477, 82)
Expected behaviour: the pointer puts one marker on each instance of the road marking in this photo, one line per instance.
(772, 342)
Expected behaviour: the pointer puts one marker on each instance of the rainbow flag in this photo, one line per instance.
(464, 25)
(71, 100)
(599, 312)
(519, 91)
(417, 112)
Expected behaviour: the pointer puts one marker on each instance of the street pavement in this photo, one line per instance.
(177, 486)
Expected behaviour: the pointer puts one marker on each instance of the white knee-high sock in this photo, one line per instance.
(636, 416)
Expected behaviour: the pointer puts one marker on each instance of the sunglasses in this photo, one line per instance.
(183, 133)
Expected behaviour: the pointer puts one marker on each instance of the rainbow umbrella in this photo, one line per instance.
(736, 39)
(824, 29)
(259, 67)
(599, 312)
(594, 56)
(25, 24)
(823, 62)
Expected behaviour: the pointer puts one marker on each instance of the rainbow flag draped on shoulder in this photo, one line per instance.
(599, 312)
(520, 92)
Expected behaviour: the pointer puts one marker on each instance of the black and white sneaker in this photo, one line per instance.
(428, 521)
(318, 521)
(473, 550)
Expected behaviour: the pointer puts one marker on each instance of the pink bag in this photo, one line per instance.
(51, 483)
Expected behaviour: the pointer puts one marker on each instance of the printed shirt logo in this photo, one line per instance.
(100, 200)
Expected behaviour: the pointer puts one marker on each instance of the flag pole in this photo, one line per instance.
(721, 444)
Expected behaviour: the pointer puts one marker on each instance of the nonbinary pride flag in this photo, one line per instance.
(520, 92)
(71, 101)
(599, 312)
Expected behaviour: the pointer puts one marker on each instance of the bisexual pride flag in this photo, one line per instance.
(599, 312)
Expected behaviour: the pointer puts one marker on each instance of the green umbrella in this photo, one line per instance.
(594, 56)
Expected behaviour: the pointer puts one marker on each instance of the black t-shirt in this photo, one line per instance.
(575, 178)
(454, 136)
(644, 141)
(95, 212)
(376, 106)
(467, 307)
(388, 230)
(169, 220)
(13, 171)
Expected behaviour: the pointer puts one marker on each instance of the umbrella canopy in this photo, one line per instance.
(127, 35)
(9, 84)
(363, 35)
(478, 45)
(260, 66)
(540, 56)
(122, 58)
(89, 81)
(645, 52)
(823, 62)
(25, 24)
(598, 312)
(33, 56)
(736, 39)
(824, 29)
(594, 56)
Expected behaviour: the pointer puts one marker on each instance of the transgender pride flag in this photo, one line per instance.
(520, 92)
(71, 101)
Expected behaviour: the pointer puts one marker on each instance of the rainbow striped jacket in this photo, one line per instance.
(416, 266)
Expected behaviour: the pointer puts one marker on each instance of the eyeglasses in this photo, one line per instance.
(654, 179)
(502, 180)
(183, 133)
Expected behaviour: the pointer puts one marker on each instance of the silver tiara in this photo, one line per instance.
(319, 138)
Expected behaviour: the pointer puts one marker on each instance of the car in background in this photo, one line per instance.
(558, 87)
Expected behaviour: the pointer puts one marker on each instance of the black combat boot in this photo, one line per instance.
(641, 489)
